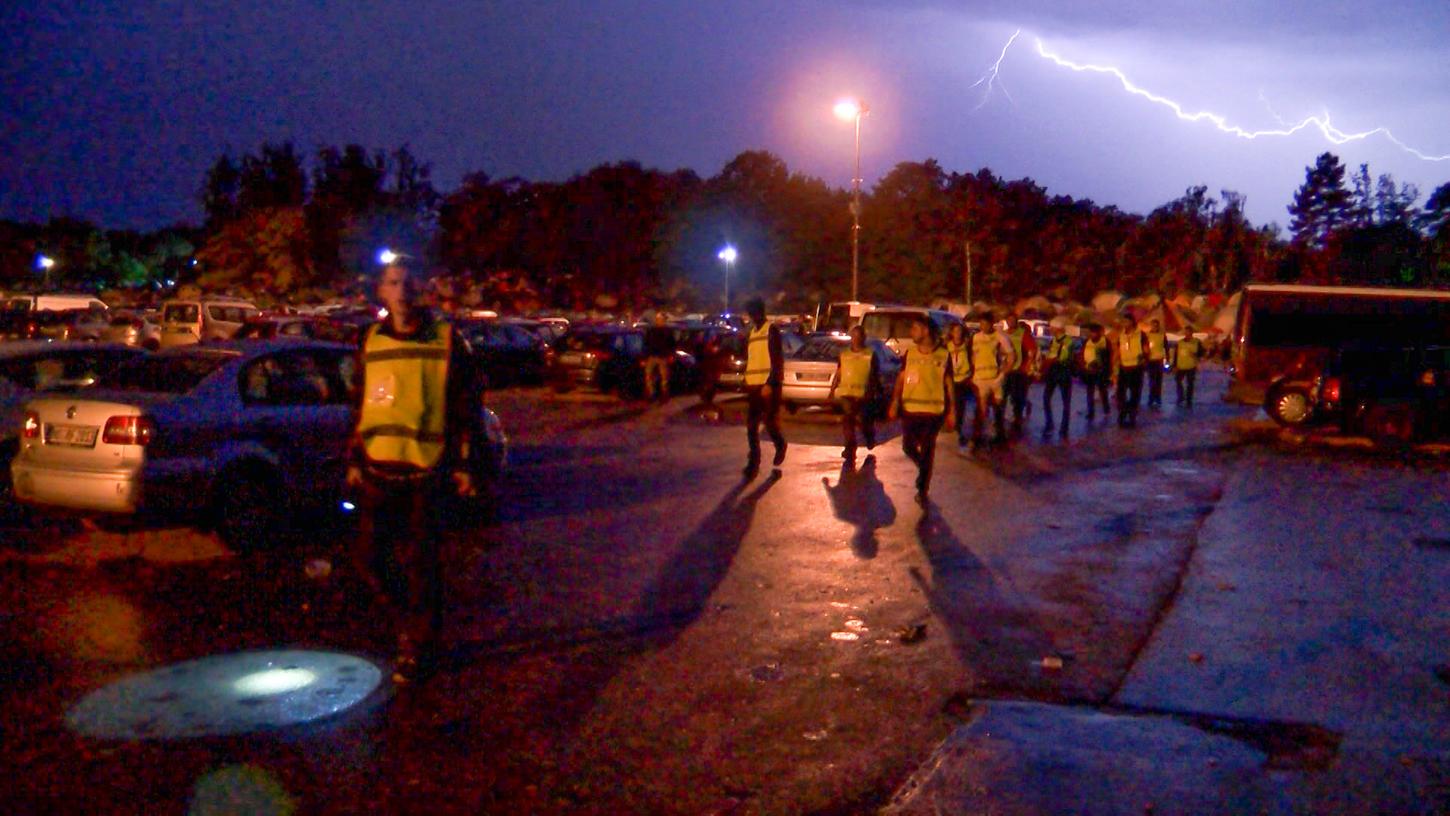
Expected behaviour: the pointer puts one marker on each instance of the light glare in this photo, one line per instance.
(848, 109)
(728, 254)
(273, 681)
(387, 256)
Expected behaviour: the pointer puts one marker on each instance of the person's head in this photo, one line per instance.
(957, 333)
(1095, 330)
(755, 308)
(858, 336)
(984, 323)
(1126, 325)
(399, 289)
(921, 330)
(1155, 325)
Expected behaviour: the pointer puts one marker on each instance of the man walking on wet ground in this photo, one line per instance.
(659, 355)
(853, 388)
(1157, 355)
(1057, 377)
(923, 400)
(1186, 355)
(1024, 356)
(1130, 354)
(988, 361)
(1096, 364)
(764, 373)
(959, 348)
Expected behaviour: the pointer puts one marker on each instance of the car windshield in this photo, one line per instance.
(821, 350)
(169, 374)
(888, 325)
(181, 313)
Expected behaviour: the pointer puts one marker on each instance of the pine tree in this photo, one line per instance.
(1321, 205)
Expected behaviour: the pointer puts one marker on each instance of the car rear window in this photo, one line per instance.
(181, 313)
(167, 374)
(820, 350)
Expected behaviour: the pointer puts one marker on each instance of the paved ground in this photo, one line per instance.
(642, 631)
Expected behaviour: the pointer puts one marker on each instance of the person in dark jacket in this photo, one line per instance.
(659, 355)
(764, 372)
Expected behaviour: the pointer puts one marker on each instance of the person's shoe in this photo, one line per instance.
(780, 455)
(752, 467)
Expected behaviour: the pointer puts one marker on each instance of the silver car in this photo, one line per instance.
(808, 372)
(133, 329)
(237, 434)
(34, 367)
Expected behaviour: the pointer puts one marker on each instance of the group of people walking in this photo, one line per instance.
(992, 366)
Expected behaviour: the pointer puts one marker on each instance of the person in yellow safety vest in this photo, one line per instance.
(923, 400)
(764, 372)
(1019, 376)
(416, 427)
(1130, 356)
(1186, 355)
(1157, 358)
(988, 364)
(1057, 377)
(854, 389)
(959, 348)
(1096, 369)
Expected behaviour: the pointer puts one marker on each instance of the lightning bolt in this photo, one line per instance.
(990, 77)
(1320, 123)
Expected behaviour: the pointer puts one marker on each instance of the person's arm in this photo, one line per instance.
(777, 357)
(895, 407)
(949, 392)
(1009, 354)
(462, 409)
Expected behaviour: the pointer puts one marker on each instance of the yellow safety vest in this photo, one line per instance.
(1189, 348)
(1060, 352)
(405, 396)
(1093, 352)
(1157, 346)
(855, 373)
(986, 362)
(757, 356)
(958, 353)
(1016, 336)
(1130, 349)
(925, 389)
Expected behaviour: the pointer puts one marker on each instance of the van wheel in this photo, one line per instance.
(1288, 405)
(246, 510)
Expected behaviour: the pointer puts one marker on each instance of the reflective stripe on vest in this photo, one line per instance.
(405, 396)
(925, 390)
(757, 356)
(855, 373)
(960, 369)
(1060, 351)
(1130, 349)
(1157, 346)
(1188, 350)
(986, 362)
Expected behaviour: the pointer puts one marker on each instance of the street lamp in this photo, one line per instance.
(728, 255)
(45, 263)
(387, 257)
(852, 110)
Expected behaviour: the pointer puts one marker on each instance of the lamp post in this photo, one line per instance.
(45, 263)
(728, 255)
(853, 110)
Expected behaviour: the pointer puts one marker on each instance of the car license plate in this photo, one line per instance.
(77, 435)
(813, 377)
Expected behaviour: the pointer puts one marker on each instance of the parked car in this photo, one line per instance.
(809, 370)
(28, 369)
(506, 353)
(1394, 394)
(284, 327)
(83, 325)
(133, 329)
(184, 322)
(610, 357)
(892, 324)
(733, 349)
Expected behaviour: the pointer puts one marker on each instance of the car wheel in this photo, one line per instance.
(1289, 405)
(246, 510)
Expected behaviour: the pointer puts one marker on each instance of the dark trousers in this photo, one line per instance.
(396, 551)
(1155, 382)
(961, 392)
(1062, 383)
(918, 442)
(1015, 387)
(762, 408)
(857, 412)
(1097, 387)
(979, 417)
(1130, 394)
(1180, 378)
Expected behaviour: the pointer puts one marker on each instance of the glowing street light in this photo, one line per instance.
(851, 110)
(388, 257)
(728, 255)
(45, 263)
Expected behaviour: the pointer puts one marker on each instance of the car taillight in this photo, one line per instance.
(128, 430)
(32, 425)
(1331, 390)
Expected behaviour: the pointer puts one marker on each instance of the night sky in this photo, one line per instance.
(113, 111)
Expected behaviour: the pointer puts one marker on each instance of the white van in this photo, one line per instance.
(892, 324)
(188, 321)
(53, 303)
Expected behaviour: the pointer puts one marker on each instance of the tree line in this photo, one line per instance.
(284, 226)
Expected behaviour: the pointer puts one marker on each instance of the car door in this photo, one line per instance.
(298, 407)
